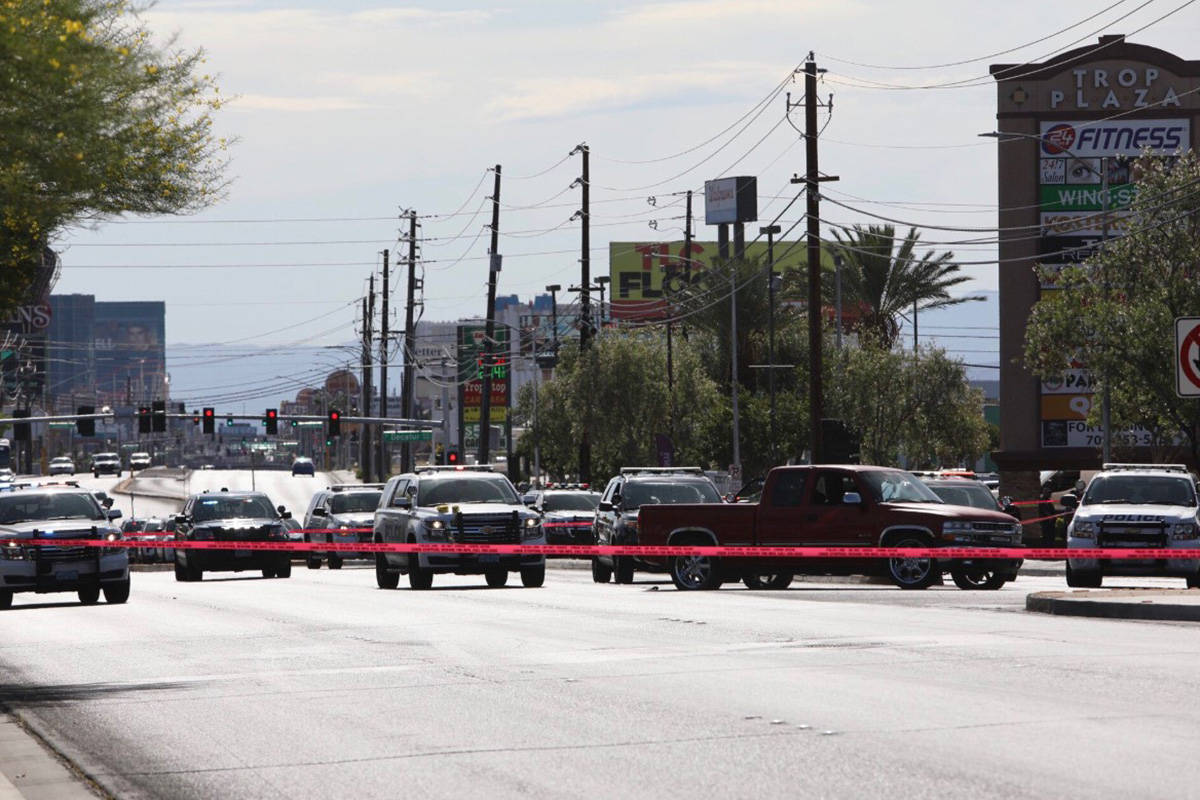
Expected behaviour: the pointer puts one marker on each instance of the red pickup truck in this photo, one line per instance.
(830, 506)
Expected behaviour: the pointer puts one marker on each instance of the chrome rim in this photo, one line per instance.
(693, 570)
(911, 570)
(976, 577)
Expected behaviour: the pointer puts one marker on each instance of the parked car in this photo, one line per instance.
(303, 465)
(1147, 506)
(106, 464)
(972, 493)
(830, 506)
(59, 512)
(616, 521)
(139, 461)
(61, 465)
(439, 505)
(567, 514)
(344, 515)
(231, 517)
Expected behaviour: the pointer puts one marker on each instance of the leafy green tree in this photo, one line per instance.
(620, 387)
(923, 408)
(882, 280)
(1115, 313)
(95, 121)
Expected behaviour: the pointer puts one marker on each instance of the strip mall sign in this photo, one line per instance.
(1115, 137)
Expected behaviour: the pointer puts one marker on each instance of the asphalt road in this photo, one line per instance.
(322, 685)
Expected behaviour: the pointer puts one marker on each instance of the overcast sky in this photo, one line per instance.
(347, 114)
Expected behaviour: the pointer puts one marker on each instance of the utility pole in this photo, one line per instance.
(811, 180)
(585, 305)
(410, 351)
(385, 466)
(366, 453)
(485, 402)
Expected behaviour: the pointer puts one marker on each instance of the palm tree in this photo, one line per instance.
(881, 282)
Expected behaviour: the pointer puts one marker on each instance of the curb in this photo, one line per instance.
(1152, 604)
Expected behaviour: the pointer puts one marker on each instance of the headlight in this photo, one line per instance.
(532, 528)
(12, 551)
(112, 537)
(435, 529)
(343, 527)
(1184, 530)
(1084, 530)
(956, 526)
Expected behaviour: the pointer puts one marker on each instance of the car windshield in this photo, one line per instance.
(1141, 490)
(354, 502)
(640, 493)
(436, 491)
(27, 506)
(570, 501)
(207, 508)
(894, 486)
(975, 495)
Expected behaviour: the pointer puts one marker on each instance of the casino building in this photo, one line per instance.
(1061, 122)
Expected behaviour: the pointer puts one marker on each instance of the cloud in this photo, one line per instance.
(676, 14)
(262, 102)
(421, 16)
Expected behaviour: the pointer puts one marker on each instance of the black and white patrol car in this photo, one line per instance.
(233, 518)
(1149, 506)
(344, 515)
(31, 516)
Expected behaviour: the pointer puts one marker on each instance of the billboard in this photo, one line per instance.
(645, 275)
(130, 348)
(729, 200)
(472, 363)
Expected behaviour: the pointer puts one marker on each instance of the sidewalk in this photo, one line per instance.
(28, 771)
(1174, 605)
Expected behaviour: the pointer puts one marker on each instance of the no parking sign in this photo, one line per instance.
(1187, 356)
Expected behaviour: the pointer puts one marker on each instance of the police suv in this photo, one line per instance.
(455, 505)
(32, 517)
(1149, 506)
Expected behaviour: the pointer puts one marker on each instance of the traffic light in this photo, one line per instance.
(452, 457)
(272, 421)
(229, 422)
(329, 441)
(158, 418)
(195, 416)
(85, 427)
(334, 429)
(143, 419)
(21, 431)
(209, 421)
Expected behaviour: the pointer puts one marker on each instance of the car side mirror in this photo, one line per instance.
(1069, 501)
(402, 501)
(107, 502)
(181, 519)
(318, 512)
(604, 505)
(114, 513)
(285, 514)
(531, 503)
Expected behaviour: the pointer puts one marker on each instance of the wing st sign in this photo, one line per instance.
(1187, 356)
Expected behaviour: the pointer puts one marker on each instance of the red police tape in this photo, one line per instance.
(1030, 553)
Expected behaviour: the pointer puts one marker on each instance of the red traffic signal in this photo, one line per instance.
(452, 456)
(209, 420)
(272, 421)
(334, 427)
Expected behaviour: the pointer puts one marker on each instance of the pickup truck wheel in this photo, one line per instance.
(968, 578)
(284, 571)
(89, 595)
(1193, 581)
(311, 559)
(335, 561)
(600, 572)
(622, 569)
(780, 580)
(496, 577)
(268, 573)
(116, 592)
(384, 577)
(181, 574)
(5, 599)
(690, 573)
(533, 577)
(912, 573)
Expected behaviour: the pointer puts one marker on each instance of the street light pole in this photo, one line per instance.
(770, 231)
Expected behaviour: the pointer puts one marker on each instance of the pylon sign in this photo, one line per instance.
(1187, 356)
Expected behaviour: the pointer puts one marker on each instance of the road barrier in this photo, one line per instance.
(587, 551)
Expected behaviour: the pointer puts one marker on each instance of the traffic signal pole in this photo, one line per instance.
(410, 350)
(384, 467)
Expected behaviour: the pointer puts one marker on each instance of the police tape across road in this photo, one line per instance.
(670, 551)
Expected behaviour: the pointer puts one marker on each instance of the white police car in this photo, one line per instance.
(1148, 506)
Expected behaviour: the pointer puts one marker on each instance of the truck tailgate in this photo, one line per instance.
(730, 523)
